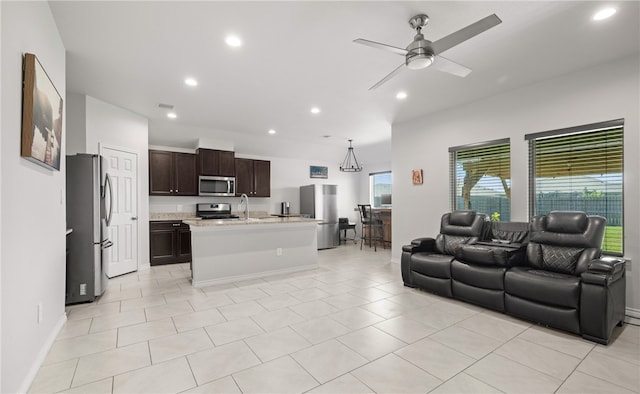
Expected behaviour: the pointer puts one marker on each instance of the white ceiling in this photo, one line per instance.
(300, 54)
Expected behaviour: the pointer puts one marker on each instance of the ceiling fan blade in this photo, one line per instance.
(373, 44)
(389, 76)
(465, 33)
(449, 66)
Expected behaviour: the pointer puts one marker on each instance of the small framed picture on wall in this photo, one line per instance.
(417, 177)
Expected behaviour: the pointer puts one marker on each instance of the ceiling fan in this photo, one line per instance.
(423, 53)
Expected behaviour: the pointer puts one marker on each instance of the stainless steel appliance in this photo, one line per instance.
(284, 208)
(89, 210)
(215, 211)
(220, 186)
(321, 202)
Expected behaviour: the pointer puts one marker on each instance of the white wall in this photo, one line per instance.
(602, 93)
(33, 204)
(115, 127)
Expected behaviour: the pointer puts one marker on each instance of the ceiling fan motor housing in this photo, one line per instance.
(419, 53)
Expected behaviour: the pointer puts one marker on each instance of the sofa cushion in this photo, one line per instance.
(447, 244)
(514, 232)
(430, 264)
(567, 222)
(546, 287)
(560, 259)
(478, 275)
(493, 255)
(462, 218)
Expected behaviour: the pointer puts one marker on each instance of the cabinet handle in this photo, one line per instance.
(176, 224)
(171, 191)
(134, 218)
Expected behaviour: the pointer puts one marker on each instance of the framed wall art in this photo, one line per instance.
(42, 110)
(417, 177)
(318, 172)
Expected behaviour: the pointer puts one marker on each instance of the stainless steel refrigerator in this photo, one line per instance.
(321, 202)
(89, 205)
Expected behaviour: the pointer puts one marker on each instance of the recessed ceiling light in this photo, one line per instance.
(172, 115)
(401, 95)
(191, 82)
(271, 131)
(315, 110)
(233, 41)
(604, 14)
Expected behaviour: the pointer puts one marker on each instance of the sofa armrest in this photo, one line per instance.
(604, 271)
(420, 245)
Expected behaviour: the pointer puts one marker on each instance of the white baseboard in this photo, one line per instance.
(632, 316)
(42, 354)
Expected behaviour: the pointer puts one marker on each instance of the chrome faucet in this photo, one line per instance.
(244, 205)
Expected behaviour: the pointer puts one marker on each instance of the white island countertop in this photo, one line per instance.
(231, 250)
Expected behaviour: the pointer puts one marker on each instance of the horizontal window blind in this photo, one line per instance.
(481, 178)
(580, 171)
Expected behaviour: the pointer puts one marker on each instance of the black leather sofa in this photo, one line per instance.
(549, 270)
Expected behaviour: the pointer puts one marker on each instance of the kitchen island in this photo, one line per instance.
(226, 251)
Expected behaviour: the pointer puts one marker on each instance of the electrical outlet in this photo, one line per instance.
(627, 265)
(178, 208)
(279, 252)
(40, 314)
(83, 289)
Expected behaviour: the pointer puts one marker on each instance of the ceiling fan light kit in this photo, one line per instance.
(421, 53)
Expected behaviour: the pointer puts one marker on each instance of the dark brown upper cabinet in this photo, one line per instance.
(172, 174)
(253, 177)
(216, 162)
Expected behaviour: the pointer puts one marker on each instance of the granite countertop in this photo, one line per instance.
(253, 220)
(155, 216)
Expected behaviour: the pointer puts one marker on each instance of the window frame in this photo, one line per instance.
(453, 151)
(532, 138)
(372, 191)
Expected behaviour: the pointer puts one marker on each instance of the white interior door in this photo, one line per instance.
(123, 231)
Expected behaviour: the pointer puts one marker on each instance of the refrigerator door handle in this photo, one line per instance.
(107, 244)
(108, 183)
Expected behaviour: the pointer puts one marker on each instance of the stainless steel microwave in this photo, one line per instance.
(224, 186)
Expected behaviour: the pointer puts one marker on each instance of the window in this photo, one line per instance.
(481, 178)
(580, 169)
(380, 189)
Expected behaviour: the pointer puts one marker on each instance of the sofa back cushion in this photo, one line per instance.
(565, 242)
(459, 228)
(514, 232)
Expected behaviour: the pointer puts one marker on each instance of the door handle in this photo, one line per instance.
(108, 179)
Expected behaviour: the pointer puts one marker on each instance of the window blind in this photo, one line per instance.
(580, 169)
(481, 178)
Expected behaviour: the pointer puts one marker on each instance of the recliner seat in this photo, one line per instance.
(548, 271)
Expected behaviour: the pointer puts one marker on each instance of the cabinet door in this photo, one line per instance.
(207, 162)
(162, 243)
(160, 173)
(185, 174)
(244, 176)
(183, 235)
(226, 163)
(262, 175)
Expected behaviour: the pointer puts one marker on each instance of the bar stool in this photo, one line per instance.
(372, 227)
(344, 226)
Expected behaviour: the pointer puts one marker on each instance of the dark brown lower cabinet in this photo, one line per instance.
(169, 242)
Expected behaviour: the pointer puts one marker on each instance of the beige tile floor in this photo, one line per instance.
(349, 326)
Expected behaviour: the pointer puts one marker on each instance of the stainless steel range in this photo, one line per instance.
(215, 211)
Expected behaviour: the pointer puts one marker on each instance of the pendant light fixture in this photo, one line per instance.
(350, 163)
